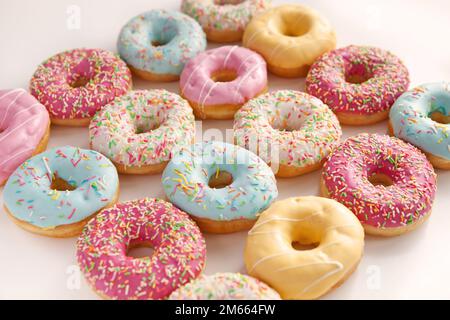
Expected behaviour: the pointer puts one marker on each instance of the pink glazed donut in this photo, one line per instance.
(358, 83)
(218, 82)
(179, 250)
(24, 129)
(75, 84)
(387, 183)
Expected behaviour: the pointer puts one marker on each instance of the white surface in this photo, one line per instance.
(414, 265)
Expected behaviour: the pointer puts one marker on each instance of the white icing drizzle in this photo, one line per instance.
(336, 263)
(268, 258)
(202, 105)
(284, 219)
(339, 268)
(21, 125)
(255, 67)
(228, 55)
(11, 103)
(250, 56)
(190, 76)
(25, 109)
(15, 155)
(295, 45)
(253, 37)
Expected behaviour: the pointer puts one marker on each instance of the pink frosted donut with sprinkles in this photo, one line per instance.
(24, 129)
(387, 183)
(359, 83)
(178, 257)
(219, 81)
(73, 85)
(224, 20)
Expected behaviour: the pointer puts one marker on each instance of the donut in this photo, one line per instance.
(157, 44)
(73, 85)
(139, 130)
(223, 20)
(218, 82)
(225, 286)
(388, 184)
(56, 192)
(222, 186)
(359, 83)
(290, 130)
(422, 117)
(24, 129)
(304, 246)
(289, 37)
(102, 250)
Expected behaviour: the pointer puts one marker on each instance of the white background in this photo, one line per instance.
(415, 265)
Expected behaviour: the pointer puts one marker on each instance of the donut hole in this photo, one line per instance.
(79, 82)
(380, 179)
(357, 74)
(145, 128)
(228, 2)
(61, 184)
(162, 32)
(303, 246)
(159, 43)
(140, 250)
(439, 117)
(224, 75)
(288, 119)
(220, 179)
(283, 127)
(291, 25)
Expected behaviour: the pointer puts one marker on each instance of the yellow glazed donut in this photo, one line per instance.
(290, 38)
(334, 237)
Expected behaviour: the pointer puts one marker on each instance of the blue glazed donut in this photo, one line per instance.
(157, 44)
(233, 206)
(421, 117)
(54, 193)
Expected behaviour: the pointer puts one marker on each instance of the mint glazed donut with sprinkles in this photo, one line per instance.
(56, 192)
(223, 187)
(139, 131)
(157, 44)
(387, 183)
(421, 117)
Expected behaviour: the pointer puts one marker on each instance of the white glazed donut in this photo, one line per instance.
(289, 128)
(225, 286)
(223, 20)
(140, 130)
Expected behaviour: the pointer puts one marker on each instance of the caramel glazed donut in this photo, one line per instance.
(290, 38)
(328, 226)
